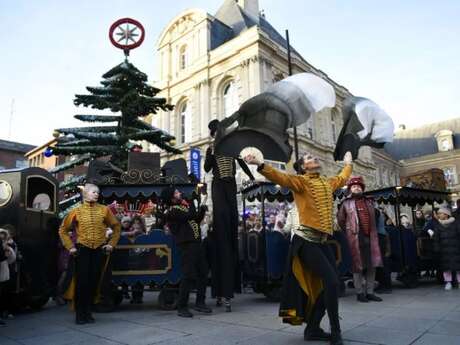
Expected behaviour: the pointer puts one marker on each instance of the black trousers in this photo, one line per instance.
(321, 261)
(225, 227)
(194, 270)
(88, 266)
(383, 274)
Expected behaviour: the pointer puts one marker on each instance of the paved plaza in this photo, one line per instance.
(427, 315)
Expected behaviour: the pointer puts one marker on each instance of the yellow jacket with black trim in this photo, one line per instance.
(91, 221)
(312, 194)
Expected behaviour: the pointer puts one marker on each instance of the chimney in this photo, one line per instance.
(250, 6)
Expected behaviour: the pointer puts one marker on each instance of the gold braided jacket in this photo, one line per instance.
(312, 194)
(91, 221)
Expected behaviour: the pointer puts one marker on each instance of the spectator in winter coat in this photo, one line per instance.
(7, 258)
(356, 217)
(447, 243)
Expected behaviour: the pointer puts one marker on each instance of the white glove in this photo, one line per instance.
(252, 160)
(107, 248)
(348, 158)
(430, 232)
(73, 251)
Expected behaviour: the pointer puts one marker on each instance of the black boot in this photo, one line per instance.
(316, 333)
(202, 308)
(373, 298)
(80, 318)
(313, 331)
(184, 312)
(336, 338)
(361, 297)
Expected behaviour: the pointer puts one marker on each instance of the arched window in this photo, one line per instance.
(183, 57)
(185, 123)
(230, 99)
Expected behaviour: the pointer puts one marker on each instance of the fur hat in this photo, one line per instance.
(213, 126)
(167, 194)
(445, 210)
(356, 180)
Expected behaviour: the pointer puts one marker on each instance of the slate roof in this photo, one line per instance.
(420, 141)
(15, 147)
(236, 20)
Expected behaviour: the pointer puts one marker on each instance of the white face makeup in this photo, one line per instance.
(91, 193)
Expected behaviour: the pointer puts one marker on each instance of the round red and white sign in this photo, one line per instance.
(126, 34)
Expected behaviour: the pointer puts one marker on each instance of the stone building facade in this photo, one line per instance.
(435, 145)
(208, 65)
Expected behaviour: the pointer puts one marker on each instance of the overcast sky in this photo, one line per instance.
(405, 55)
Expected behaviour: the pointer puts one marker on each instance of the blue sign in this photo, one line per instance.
(195, 162)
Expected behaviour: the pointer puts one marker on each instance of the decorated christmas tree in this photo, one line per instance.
(124, 90)
(127, 95)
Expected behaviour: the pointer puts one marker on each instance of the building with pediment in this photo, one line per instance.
(208, 65)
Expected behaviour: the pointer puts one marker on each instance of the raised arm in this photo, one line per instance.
(293, 182)
(341, 179)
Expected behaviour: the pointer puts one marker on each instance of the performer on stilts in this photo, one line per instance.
(311, 282)
(225, 220)
(91, 221)
(183, 220)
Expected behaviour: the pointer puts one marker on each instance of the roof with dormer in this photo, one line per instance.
(236, 18)
(421, 141)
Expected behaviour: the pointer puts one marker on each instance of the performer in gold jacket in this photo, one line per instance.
(90, 220)
(310, 283)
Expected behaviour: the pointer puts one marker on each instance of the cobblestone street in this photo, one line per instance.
(427, 315)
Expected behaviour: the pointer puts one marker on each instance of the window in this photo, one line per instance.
(20, 163)
(41, 202)
(445, 145)
(309, 128)
(185, 124)
(183, 57)
(40, 194)
(333, 128)
(230, 99)
(450, 175)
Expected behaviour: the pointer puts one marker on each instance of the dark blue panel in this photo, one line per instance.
(141, 258)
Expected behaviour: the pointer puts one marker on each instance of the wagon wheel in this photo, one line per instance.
(167, 299)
